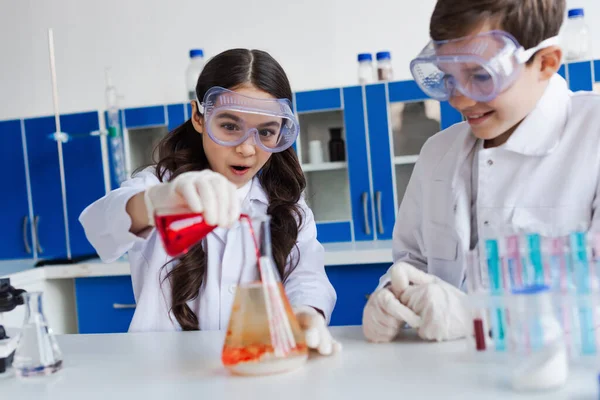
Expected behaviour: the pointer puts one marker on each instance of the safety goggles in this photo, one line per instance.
(480, 66)
(231, 118)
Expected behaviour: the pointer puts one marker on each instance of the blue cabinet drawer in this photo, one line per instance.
(104, 304)
(353, 283)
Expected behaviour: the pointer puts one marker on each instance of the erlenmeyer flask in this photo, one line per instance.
(37, 352)
(263, 336)
(180, 229)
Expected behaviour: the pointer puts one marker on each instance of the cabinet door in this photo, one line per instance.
(358, 168)
(14, 213)
(104, 304)
(84, 174)
(381, 161)
(353, 284)
(46, 193)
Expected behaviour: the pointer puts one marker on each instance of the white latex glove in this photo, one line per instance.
(317, 335)
(384, 315)
(206, 192)
(441, 308)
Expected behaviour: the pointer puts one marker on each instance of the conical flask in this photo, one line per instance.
(37, 352)
(263, 336)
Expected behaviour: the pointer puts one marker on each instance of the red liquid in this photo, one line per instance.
(179, 232)
(479, 334)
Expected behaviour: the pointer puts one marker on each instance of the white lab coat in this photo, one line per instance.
(107, 224)
(545, 179)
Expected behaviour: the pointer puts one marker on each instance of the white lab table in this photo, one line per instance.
(186, 365)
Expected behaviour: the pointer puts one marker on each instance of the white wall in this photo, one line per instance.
(147, 41)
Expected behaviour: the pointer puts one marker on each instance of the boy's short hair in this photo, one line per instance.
(529, 21)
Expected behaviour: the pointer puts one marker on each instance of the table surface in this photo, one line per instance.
(187, 365)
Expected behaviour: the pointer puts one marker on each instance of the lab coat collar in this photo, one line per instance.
(540, 132)
(257, 192)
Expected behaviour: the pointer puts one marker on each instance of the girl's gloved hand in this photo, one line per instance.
(315, 329)
(206, 192)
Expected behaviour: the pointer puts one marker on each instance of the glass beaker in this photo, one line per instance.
(263, 336)
(37, 352)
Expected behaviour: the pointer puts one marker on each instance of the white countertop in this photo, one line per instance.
(186, 365)
(22, 272)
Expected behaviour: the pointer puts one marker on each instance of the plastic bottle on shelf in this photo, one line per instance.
(576, 39)
(193, 71)
(365, 69)
(384, 66)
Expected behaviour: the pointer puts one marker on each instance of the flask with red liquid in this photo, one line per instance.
(180, 229)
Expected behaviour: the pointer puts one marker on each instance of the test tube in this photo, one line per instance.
(495, 277)
(559, 281)
(474, 287)
(581, 272)
(513, 261)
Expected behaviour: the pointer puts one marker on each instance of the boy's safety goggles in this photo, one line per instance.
(480, 66)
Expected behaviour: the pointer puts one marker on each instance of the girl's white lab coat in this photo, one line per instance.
(106, 224)
(545, 179)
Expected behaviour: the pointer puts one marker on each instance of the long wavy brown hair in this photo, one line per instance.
(281, 177)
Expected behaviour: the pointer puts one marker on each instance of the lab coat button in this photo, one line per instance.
(490, 162)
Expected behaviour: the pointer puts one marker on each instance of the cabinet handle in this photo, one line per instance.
(119, 306)
(38, 246)
(379, 216)
(25, 238)
(366, 212)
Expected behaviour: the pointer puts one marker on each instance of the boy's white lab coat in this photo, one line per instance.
(106, 224)
(545, 179)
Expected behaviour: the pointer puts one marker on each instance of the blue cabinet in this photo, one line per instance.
(329, 193)
(353, 285)
(84, 173)
(84, 182)
(107, 304)
(44, 173)
(378, 165)
(104, 304)
(17, 241)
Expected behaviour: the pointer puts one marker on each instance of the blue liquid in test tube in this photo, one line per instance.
(495, 277)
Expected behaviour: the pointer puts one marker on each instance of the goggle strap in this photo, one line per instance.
(200, 106)
(524, 55)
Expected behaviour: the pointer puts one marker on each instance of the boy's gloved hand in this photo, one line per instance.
(384, 315)
(206, 192)
(441, 308)
(315, 329)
